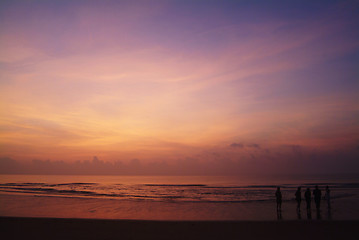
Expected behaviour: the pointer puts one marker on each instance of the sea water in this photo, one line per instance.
(169, 197)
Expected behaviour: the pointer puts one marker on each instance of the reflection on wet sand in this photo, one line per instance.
(309, 214)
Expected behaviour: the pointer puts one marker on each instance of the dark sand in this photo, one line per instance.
(59, 228)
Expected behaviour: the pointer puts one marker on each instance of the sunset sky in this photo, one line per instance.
(269, 85)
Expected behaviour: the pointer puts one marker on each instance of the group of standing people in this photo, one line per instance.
(317, 193)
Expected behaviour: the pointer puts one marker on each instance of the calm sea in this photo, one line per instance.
(177, 193)
(171, 188)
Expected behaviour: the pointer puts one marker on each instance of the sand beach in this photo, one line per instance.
(58, 210)
(60, 228)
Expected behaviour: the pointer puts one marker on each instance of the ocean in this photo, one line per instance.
(172, 197)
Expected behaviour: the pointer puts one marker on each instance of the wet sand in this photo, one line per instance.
(62, 207)
(60, 228)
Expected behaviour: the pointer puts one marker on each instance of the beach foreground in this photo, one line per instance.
(60, 228)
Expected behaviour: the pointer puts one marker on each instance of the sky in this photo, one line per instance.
(179, 87)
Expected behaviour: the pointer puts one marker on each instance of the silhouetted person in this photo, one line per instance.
(298, 198)
(308, 198)
(317, 197)
(278, 196)
(327, 196)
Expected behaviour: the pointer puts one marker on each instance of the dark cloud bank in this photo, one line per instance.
(240, 159)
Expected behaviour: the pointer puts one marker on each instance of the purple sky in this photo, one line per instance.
(226, 86)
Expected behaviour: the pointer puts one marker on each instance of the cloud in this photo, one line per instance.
(8, 165)
(236, 145)
(87, 82)
(284, 159)
(242, 145)
(254, 145)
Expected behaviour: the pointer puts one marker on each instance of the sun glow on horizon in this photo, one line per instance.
(173, 80)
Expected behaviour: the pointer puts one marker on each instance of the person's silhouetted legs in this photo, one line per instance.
(299, 214)
(317, 197)
(309, 213)
(327, 196)
(279, 215)
(298, 198)
(308, 198)
(278, 196)
(318, 214)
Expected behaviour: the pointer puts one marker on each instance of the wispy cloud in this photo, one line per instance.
(167, 80)
(236, 145)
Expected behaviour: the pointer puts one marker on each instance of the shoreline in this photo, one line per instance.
(54, 207)
(71, 228)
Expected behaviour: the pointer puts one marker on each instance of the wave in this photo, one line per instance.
(175, 185)
(170, 192)
(73, 184)
(243, 187)
(288, 186)
(46, 190)
(22, 184)
(46, 184)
